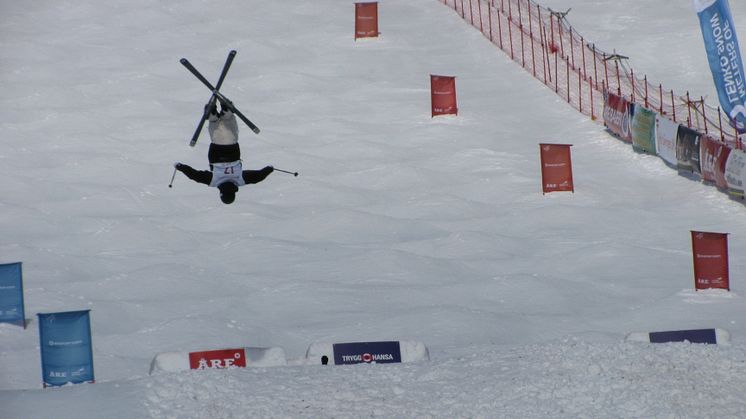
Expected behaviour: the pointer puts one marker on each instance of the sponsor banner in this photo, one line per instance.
(724, 57)
(643, 130)
(556, 168)
(618, 115)
(11, 294)
(665, 139)
(66, 348)
(713, 336)
(367, 352)
(735, 170)
(366, 20)
(693, 336)
(443, 95)
(710, 253)
(221, 358)
(687, 149)
(713, 155)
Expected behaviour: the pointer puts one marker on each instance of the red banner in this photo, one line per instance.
(222, 358)
(443, 95)
(714, 155)
(556, 168)
(366, 20)
(710, 253)
(617, 116)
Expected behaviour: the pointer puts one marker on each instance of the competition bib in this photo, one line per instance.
(227, 172)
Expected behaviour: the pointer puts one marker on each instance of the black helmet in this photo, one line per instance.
(228, 192)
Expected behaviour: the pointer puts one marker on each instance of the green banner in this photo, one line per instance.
(643, 130)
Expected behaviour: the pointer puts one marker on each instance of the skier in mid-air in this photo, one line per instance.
(224, 155)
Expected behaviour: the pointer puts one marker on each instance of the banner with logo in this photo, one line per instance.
(710, 253)
(66, 348)
(618, 115)
(366, 20)
(665, 139)
(443, 95)
(643, 130)
(367, 352)
(724, 57)
(687, 150)
(11, 294)
(711, 336)
(714, 154)
(556, 168)
(222, 358)
(735, 170)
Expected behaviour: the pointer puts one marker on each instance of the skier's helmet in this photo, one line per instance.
(228, 192)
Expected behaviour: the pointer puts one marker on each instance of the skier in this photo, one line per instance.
(224, 156)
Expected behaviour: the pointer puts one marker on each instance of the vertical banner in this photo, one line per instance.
(687, 150)
(618, 115)
(724, 57)
(643, 130)
(66, 348)
(710, 253)
(556, 168)
(366, 20)
(735, 170)
(11, 294)
(714, 154)
(443, 95)
(665, 139)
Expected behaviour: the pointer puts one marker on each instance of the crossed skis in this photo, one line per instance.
(216, 95)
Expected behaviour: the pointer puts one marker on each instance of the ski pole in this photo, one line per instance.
(285, 171)
(171, 185)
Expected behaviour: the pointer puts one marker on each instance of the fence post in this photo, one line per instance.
(500, 30)
(618, 79)
(531, 34)
(567, 67)
(660, 89)
(720, 122)
(582, 50)
(646, 91)
(471, 12)
(689, 109)
(572, 49)
(673, 106)
(559, 29)
(595, 67)
(704, 116)
(510, 31)
(489, 17)
(481, 26)
(542, 34)
(556, 72)
(590, 93)
(520, 27)
(606, 71)
(580, 92)
(632, 79)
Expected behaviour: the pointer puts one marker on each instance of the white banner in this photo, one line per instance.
(665, 139)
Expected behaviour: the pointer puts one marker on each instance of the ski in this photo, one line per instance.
(211, 102)
(217, 95)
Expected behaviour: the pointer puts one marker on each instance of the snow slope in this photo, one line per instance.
(399, 226)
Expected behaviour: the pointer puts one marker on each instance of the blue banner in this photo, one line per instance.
(11, 294)
(693, 336)
(367, 352)
(66, 350)
(724, 57)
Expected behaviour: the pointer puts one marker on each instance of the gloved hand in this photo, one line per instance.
(268, 169)
(178, 166)
(213, 110)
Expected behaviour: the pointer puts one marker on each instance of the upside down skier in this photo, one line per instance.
(224, 155)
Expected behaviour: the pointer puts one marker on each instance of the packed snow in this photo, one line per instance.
(399, 227)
